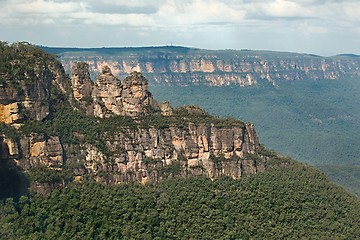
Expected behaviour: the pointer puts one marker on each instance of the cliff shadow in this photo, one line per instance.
(13, 184)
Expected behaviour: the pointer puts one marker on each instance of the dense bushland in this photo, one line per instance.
(291, 200)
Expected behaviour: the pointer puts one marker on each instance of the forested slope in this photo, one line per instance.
(289, 201)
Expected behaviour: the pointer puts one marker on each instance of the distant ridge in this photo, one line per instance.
(59, 50)
(112, 50)
(184, 66)
(348, 55)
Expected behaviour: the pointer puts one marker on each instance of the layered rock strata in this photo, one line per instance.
(186, 66)
(136, 98)
(107, 95)
(151, 154)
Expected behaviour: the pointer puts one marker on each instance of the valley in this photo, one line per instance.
(110, 159)
(315, 122)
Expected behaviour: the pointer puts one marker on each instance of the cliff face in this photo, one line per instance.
(131, 98)
(107, 94)
(185, 66)
(28, 87)
(24, 100)
(152, 154)
(124, 136)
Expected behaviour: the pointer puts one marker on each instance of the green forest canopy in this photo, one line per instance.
(290, 201)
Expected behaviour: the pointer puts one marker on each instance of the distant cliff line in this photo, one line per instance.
(183, 66)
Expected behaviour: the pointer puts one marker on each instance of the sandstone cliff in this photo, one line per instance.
(82, 86)
(152, 154)
(186, 66)
(31, 82)
(60, 129)
(131, 98)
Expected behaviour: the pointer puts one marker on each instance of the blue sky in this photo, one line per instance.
(324, 27)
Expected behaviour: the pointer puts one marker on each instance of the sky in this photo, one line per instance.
(323, 27)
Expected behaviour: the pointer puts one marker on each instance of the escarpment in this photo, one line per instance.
(61, 129)
(187, 66)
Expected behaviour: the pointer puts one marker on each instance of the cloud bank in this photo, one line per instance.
(301, 25)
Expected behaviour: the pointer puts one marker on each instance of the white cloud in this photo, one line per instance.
(187, 13)
(352, 10)
(38, 12)
(284, 8)
(164, 13)
(309, 30)
(183, 20)
(112, 19)
(45, 7)
(132, 3)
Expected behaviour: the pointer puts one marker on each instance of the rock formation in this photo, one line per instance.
(131, 98)
(28, 98)
(136, 98)
(11, 113)
(12, 181)
(4, 154)
(38, 149)
(107, 94)
(82, 85)
(147, 144)
(166, 109)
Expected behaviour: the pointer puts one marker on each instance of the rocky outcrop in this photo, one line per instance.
(28, 98)
(131, 98)
(107, 95)
(147, 142)
(38, 149)
(4, 154)
(166, 109)
(12, 181)
(11, 113)
(186, 66)
(34, 150)
(145, 154)
(136, 98)
(32, 88)
(82, 85)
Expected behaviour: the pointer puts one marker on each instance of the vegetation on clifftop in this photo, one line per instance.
(19, 59)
